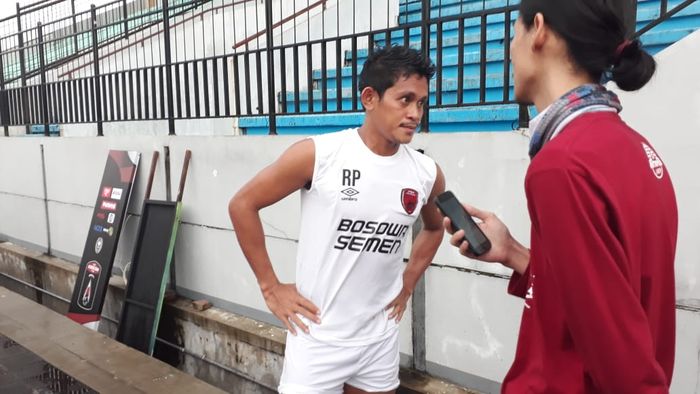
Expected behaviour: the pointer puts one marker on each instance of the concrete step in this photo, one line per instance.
(449, 7)
(470, 94)
(655, 40)
(485, 118)
(411, 12)
(471, 64)
(97, 361)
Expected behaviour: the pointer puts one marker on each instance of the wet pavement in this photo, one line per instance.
(22, 371)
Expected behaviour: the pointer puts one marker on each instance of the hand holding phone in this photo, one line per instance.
(461, 220)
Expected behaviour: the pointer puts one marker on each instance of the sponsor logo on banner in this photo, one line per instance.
(91, 275)
(104, 230)
(98, 245)
(109, 205)
(116, 193)
(409, 200)
(93, 268)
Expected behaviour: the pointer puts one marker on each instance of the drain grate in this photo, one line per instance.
(22, 371)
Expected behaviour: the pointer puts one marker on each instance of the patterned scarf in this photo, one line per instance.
(578, 98)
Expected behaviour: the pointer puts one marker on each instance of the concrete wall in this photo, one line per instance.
(471, 323)
(667, 112)
(22, 191)
(251, 355)
(232, 352)
(477, 339)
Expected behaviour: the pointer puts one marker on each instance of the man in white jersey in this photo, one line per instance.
(361, 191)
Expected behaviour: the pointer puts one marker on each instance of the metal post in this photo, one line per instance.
(5, 111)
(418, 314)
(629, 14)
(4, 103)
(168, 197)
(42, 87)
(425, 47)
(46, 202)
(168, 68)
(96, 62)
(75, 28)
(523, 117)
(23, 71)
(125, 15)
(271, 68)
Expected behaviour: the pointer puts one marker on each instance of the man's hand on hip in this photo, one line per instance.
(398, 305)
(287, 304)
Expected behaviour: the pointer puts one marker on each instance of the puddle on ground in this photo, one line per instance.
(22, 371)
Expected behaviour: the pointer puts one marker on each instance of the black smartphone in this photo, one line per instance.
(461, 220)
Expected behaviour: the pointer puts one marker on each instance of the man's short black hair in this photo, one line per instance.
(384, 67)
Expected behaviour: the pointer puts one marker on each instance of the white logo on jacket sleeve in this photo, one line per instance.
(530, 292)
(656, 165)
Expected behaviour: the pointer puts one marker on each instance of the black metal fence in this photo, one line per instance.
(192, 59)
(163, 62)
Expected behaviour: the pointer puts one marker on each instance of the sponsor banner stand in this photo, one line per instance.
(155, 243)
(103, 237)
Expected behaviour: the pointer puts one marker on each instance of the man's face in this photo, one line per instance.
(398, 113)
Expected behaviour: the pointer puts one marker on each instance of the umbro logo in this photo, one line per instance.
(350, 192)
(350, 177)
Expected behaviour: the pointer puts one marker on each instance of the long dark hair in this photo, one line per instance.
(594, 32)
(384, 67)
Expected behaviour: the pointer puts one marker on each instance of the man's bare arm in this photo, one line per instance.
(292, 171)
(424, 248)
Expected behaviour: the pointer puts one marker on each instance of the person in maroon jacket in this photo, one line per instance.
(598, 280)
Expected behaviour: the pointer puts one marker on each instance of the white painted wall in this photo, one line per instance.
(667, 112)
(469, 336)
(471, 322)
(22, 190)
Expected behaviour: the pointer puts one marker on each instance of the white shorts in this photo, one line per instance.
(312, 367)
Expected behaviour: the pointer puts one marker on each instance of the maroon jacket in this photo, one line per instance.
(599, 292)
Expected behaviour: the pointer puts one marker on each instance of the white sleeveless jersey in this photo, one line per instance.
(355, 220)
